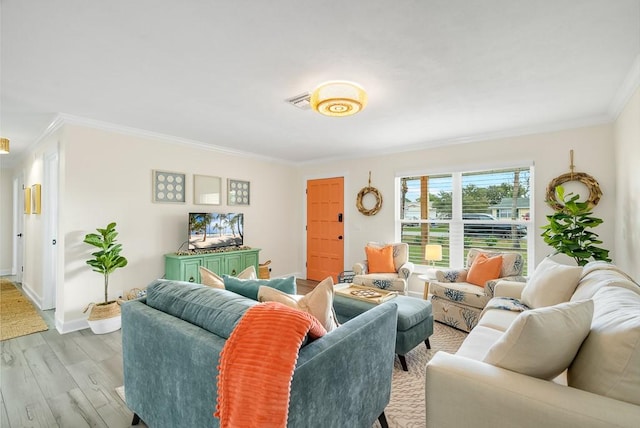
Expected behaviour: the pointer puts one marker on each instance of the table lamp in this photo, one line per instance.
(433, 253)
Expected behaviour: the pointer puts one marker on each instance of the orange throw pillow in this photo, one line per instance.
(380, 260)
(484, 269)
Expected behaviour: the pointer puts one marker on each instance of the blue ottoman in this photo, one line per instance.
(415, 320)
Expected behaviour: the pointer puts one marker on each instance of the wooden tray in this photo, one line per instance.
(366, 294)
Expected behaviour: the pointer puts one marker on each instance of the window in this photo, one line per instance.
(463, 210)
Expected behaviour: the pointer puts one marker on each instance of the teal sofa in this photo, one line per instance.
(172, 339)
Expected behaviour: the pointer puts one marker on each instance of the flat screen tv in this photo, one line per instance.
(209, 231)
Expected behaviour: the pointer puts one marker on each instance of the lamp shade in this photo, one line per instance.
(433, 252)
(4, 145)
(338, 98)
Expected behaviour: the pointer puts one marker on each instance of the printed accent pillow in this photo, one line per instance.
(543, 342)
(484, 269)
(380, 260)
(550, 284)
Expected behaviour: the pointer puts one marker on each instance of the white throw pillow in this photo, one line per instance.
(318, 302)
(550, 284)
(608, 362)
(212, 279)
(543, 342)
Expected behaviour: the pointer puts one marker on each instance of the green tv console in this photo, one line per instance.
(186, 267)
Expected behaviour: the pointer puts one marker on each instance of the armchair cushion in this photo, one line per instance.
(484, 269)
(543, 342)
(550, 284)
(380, 260)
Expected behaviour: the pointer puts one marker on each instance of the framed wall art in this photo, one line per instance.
(36, 198)
(207, 190)
(168, 187)
(238, 192)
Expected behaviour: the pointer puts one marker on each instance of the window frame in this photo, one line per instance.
(456, 223)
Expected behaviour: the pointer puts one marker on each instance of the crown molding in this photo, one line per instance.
(628, 87)
(498, 135)
(68, 119)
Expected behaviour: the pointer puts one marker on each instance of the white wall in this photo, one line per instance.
(593, 147)
(106, 176)
(627, 155)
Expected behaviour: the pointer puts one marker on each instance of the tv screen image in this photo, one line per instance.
(215, 230)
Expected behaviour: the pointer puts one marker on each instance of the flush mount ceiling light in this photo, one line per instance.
(338, 98)
(4, 146)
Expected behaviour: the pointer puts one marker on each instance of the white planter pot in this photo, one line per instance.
(106, 325)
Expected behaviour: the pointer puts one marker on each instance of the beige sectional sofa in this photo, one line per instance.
(504, 374)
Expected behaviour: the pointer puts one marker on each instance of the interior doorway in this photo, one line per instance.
(325, 228)
(50, 238)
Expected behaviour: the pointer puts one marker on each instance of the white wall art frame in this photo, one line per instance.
(207, 190)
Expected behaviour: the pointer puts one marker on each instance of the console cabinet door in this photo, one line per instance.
(234, 264)
(191, 270)
(215, 264)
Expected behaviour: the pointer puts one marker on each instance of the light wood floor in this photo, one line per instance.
(53, 380)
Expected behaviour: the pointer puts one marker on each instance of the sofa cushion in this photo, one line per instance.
(599, 274)
(484, 269)
(249, 287)
(478, 342)
(608, 362)
(550, 284)
(543, 342)
(212, 279)
(463, 292)
(217, 311)
(318, 302)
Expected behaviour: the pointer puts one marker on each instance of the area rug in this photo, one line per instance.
(18, 316)
(407, 407)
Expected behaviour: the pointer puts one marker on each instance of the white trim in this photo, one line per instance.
(67, 119)
(71, 326)
(628, 87)
(489, 136)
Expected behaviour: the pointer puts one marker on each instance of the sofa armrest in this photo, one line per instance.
(360, 268)
(406, 270)
(464, 392)
(334, 373)
(506, 288)
(451, 275)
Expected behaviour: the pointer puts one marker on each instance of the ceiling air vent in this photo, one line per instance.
(301, 101)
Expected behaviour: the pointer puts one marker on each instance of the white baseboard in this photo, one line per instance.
(71, 326)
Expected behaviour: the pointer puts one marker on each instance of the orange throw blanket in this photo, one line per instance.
(257, 364)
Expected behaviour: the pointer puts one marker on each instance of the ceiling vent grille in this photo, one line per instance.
(300, 101)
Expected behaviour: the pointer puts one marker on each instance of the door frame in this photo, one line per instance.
(348, 212)
(50, 220)
(18, 227)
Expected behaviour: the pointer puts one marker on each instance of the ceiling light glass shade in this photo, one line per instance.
(338, 98)
(4, 145)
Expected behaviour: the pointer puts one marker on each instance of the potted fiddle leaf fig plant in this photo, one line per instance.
(568, 232)
(104, 317)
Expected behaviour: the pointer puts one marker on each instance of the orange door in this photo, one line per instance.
(325, 228)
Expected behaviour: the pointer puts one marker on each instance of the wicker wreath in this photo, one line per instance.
(592, 184)
(365, 191)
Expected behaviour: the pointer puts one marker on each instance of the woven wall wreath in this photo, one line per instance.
(365, 191)
(591, 183)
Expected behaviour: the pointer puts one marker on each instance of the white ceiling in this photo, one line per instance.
(218, 72)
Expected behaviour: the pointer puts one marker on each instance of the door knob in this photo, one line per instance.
(340, 237)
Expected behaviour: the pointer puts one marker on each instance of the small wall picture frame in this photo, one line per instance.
(27, 200)
(168, 187)
(36, 190)
(238, 192)
(207, 190)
